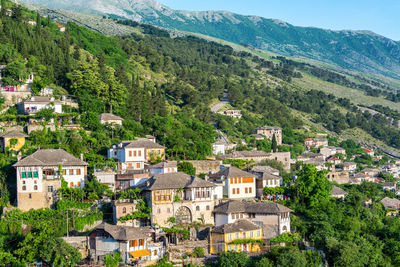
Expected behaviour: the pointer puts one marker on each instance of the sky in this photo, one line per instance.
(379, 16)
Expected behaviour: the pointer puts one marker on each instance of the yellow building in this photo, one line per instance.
(13, 140)
(241, 236)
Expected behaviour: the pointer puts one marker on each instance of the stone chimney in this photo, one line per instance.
(81, 156)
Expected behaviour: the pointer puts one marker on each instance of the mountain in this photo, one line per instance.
(363, 51)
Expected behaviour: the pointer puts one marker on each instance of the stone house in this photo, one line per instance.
(339, 176)
(164, 167)
(34, 104)
(334, 160)
(223, 236)
(134, 154)
(206, 166)
(266, 177)
(39, 177)
(123, 207)
(269, 132)
(349, 166)
(136, 245)
(369, 152)
(391, 203)
(392, 169)
(273, 218)
(315, 142)
(237, 184)
(331, 151)
(109, 118)
(234, 113)
(389, 186)
(338, 192)
(106, 177)
(130, 179)
(371, 172)
(13, 140)
(184, 197)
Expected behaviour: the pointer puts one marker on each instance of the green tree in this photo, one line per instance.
(113, 260)
(233, 259)
(312, 187)
(274, 145)
(187, 168)
(291, 257)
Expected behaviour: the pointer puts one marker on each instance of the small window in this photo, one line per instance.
(237, 235)
(208, 207)
(237, 191)
(79, 184)
(141, 242)
(245, 190)
(78, 171)
(24, 188)
(140, 153)
(138, 165)
(229, 237)
(35, 174)
(29, 174)
(71, 172)
(168, 210)
(124, 210)
(30, 196)
(35, 187)
(233, 216)
(35, 181)
(23, 175)
(23, 182)
(71, 184)
(134, 153)
(233, 191)
(50, 189)
(258, 233)
(64, 172)
(159, 211)
(250, 190)
(251, 234)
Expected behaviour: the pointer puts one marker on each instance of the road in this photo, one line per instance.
(222, 103)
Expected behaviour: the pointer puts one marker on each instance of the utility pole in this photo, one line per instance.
(67, 226)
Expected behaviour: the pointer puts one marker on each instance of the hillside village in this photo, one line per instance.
(111, 187)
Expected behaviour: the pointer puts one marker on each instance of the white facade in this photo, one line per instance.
(163, 170)
(218, 148)
(133, 158)
(34, 104)
(240, 188)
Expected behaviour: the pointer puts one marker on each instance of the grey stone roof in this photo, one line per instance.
(50, 157)
(41, 100)
(390, 202)
(125, 233)
(238, 226)
(337, 191)
(141, 143)
(245, 154)
(110, 117)
(231, 172)
(269, 128)
(235, 206)
(174, 181)
(13, 134)
(389, 184)
(165, 164)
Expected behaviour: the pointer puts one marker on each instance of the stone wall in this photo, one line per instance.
(206, 166)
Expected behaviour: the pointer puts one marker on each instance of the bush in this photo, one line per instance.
(198, 252)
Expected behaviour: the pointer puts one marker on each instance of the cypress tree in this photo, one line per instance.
(274, 145)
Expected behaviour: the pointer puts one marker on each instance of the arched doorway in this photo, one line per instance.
(183, 215)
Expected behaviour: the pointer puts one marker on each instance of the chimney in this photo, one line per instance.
(81, 156)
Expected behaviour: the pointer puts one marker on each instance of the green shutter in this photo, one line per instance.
(23, 174)
(29, 174)
(35, 174)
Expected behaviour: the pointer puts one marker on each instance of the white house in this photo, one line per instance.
(218, 148)
(164, 167)
(238, 184)
(34, 104)
(350, 166)
(39, 177)
(266, 176)
(272, 217)
(109, 118)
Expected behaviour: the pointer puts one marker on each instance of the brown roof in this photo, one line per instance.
(124, 233)
(141, 143)
(14, 134)
(174, 181)
(337, 191)
(50, 157)
(165, 164)
(235, 206)
(267, 169)
(238, 226)
(390, 202)
(110, 117)
(231, 172)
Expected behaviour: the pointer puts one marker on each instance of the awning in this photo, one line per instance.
(140, 253)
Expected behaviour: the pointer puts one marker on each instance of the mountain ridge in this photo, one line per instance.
(360, 50)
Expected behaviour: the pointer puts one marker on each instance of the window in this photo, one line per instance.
(237, 190)
(49, 172)
(71, 172)
(79, 184)
(115, 153)
(24, 187)
(168, 210)
(35, 182)
(71, 184)
(130, 153)
(35, 187)
(78, 171)
(229, 237)
(50, 189)
(23, 175)
(30, 196)
(35, 174)
(233, 191)
(155, 252)
(235, 180)
(141, 242)
(23, 182)
(231, 180)
(133, 243)
(124, 210)
(245, 190)
(158, 211)
(197, 208)
(251, 234)
(237, 235)
(258, 233)
(64, 172)
(233, 216)
(134, 153)
(140, 153)
(208, 207)
(29, 174)
(250, 190)
(138, 165)
(236, 247)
